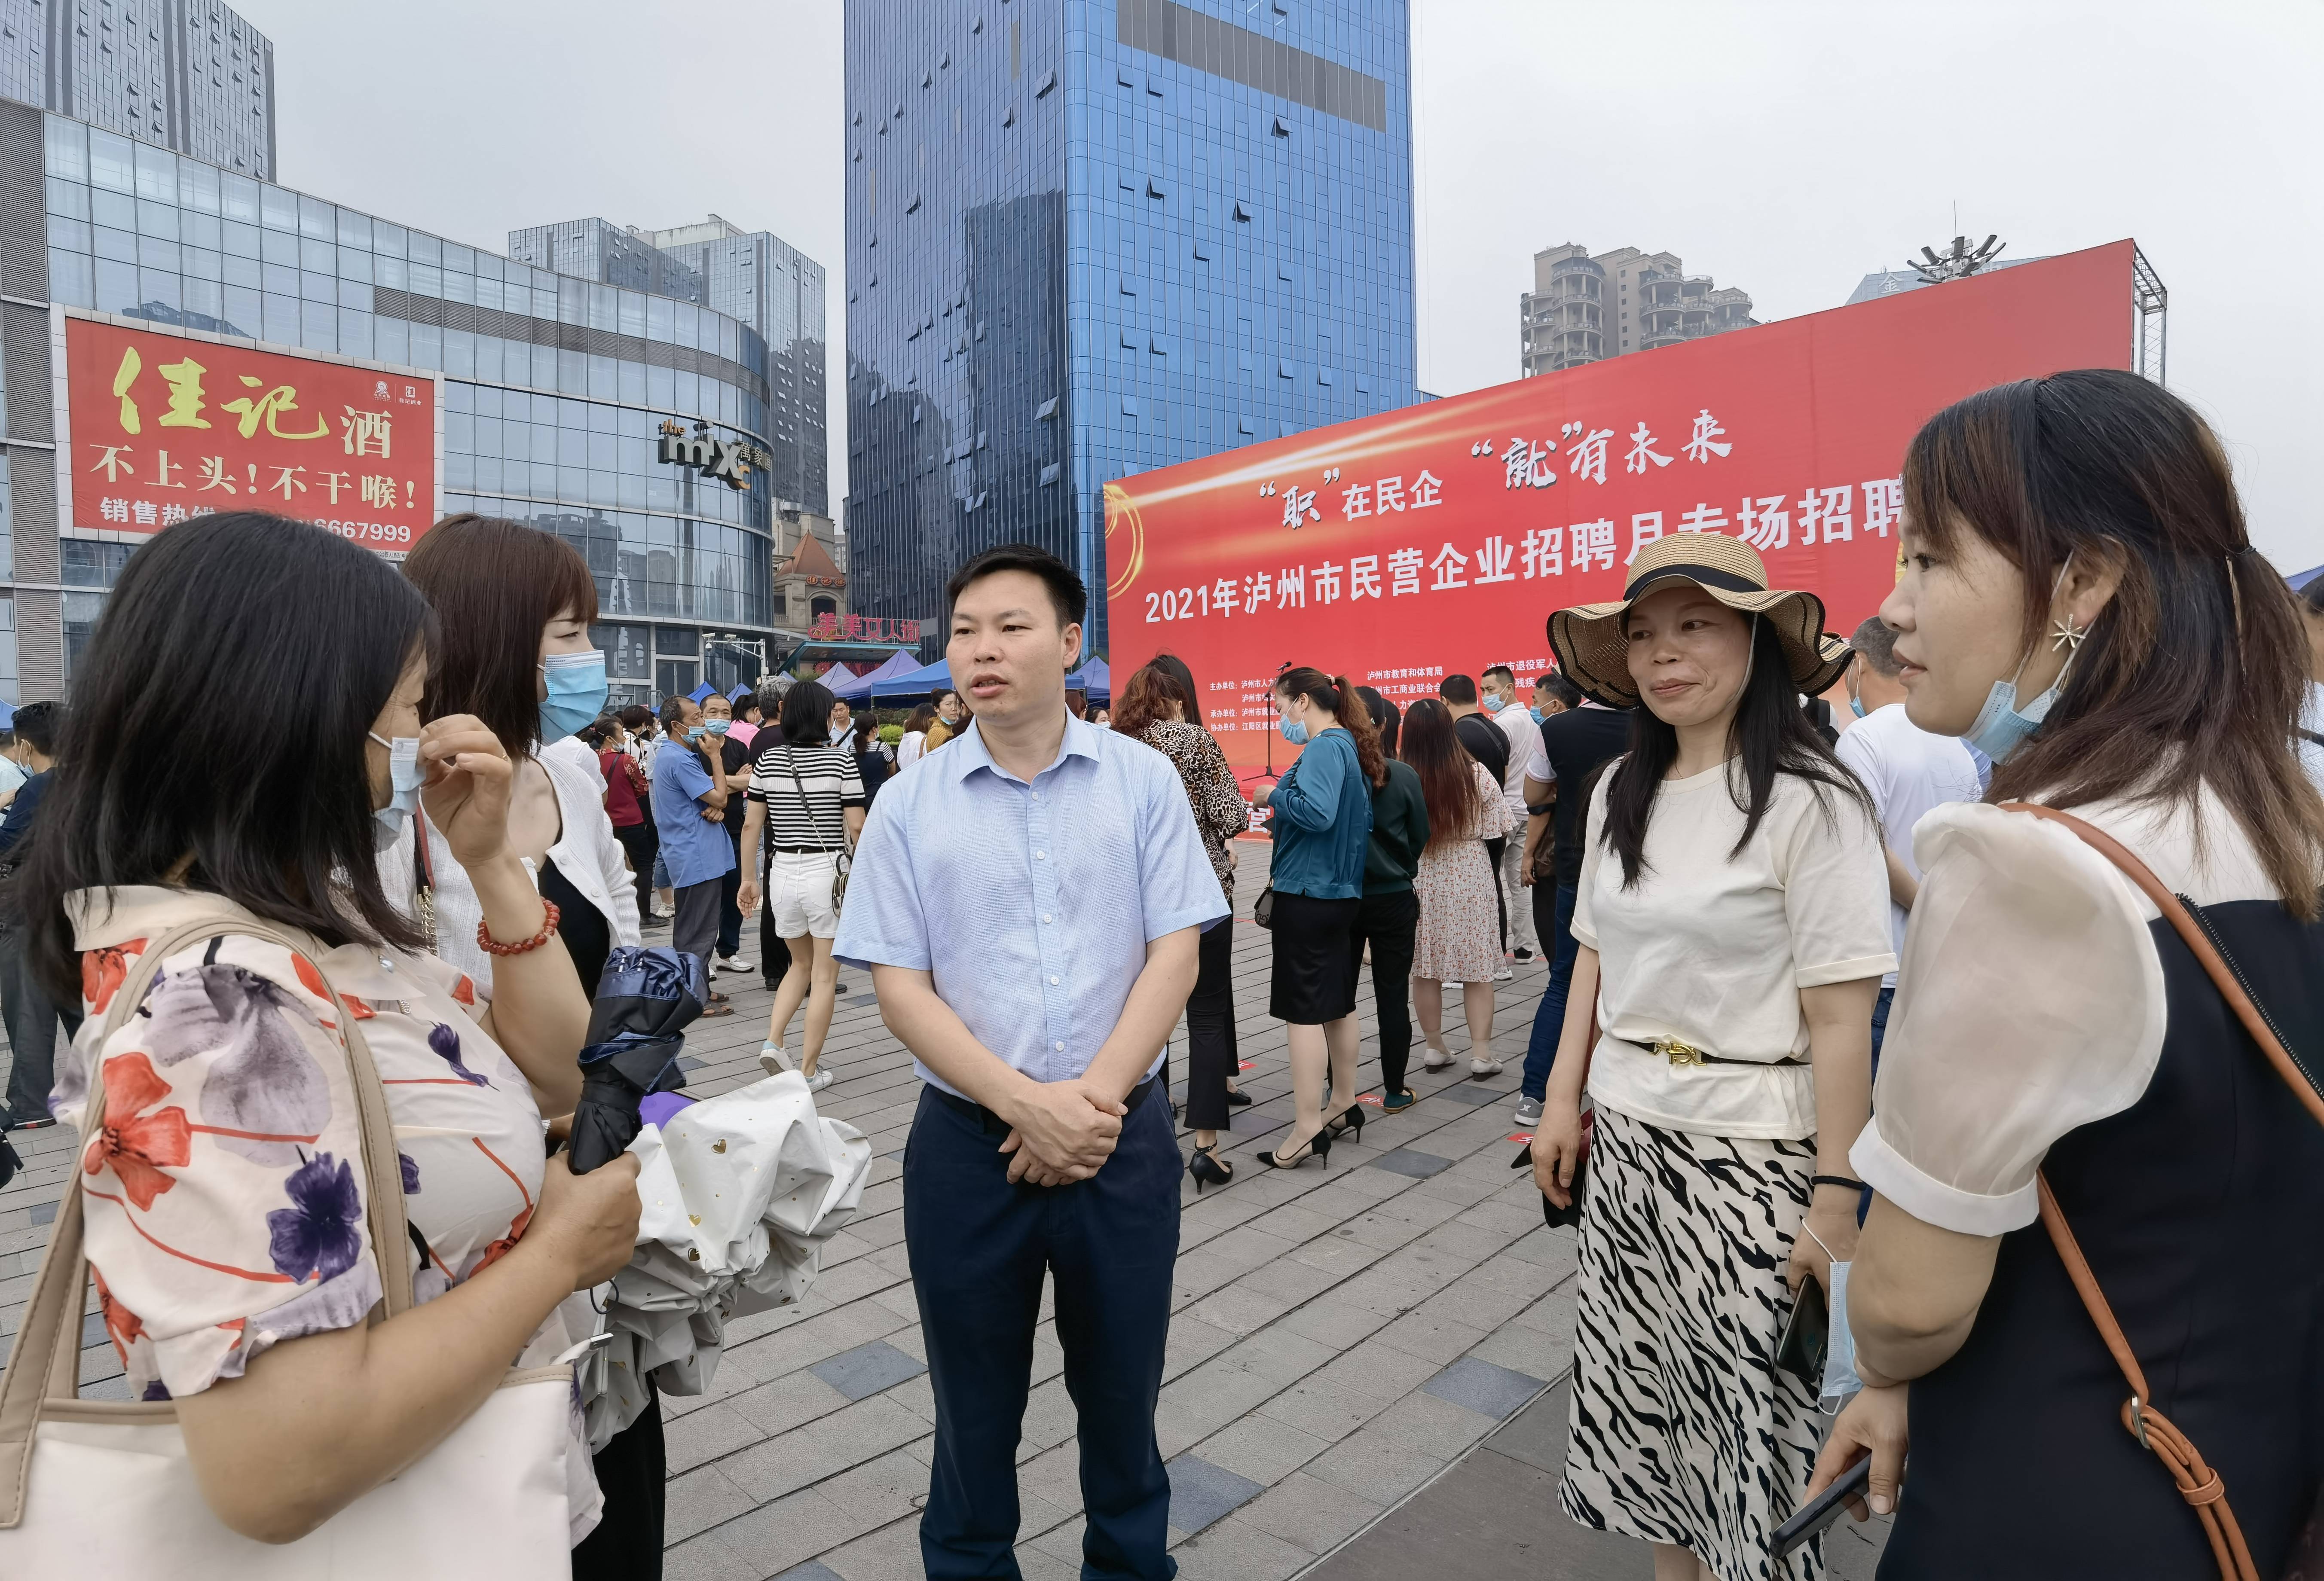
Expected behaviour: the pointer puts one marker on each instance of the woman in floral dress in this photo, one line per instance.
(1154, 710)
(223, 1193)
(1460, 939)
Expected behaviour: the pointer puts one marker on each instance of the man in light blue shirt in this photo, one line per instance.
(1028, 901)
(689, 802)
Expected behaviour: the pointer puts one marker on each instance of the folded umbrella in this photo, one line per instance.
(737, 1193)
(645, 999)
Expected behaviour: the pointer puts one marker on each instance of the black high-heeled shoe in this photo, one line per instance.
(1209, 1169)
(1320, 1144)
(1236, 1097)
(1350, 1119)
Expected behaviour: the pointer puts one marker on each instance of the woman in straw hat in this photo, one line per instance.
(1732, 930)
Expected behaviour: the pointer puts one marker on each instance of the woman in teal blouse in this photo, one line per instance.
(1322, 826)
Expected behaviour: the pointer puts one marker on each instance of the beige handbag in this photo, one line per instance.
(93, 1487)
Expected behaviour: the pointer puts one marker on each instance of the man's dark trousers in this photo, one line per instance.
(978, 1249)
(32, 1018)
(730, 915)
(1549, 1015)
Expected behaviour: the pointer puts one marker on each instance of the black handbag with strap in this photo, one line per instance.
(841, 864)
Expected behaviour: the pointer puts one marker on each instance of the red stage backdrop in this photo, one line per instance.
(1438, 539)
(165, 427)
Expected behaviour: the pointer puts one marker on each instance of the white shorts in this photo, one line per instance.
(798, 894)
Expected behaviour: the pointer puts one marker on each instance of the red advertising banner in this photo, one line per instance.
(1438, 539)
(165, 427)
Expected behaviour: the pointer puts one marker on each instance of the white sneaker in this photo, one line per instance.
(818, 1081)
(1435, 1060)
(773, 1060)
(1480, 1065)
(736, 963)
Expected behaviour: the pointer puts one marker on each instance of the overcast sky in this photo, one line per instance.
(1787, 148)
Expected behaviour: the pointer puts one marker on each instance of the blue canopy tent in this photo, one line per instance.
(2300, 579)
(900, 662)
(1092, 680)
(920, 682)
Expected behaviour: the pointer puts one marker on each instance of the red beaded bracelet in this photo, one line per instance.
(491, 946)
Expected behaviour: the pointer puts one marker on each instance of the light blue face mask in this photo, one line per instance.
(577, 693)
(1537, 715)
(1494, 702)
(2002, 725)
(695, 732)
(1856, 705)
(718, 727)
(1294, 730)
(403, 778)
(1839, 1377)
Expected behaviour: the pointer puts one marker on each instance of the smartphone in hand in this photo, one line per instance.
(1824, 1509)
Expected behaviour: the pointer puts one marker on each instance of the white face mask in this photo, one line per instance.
(404, 776)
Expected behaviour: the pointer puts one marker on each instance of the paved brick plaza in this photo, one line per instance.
(1340, 1337)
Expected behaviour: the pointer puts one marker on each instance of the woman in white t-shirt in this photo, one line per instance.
(1732, 925)
(914, 743)
(2079, 598)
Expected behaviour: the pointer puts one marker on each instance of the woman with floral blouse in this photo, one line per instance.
(1154, 708)
(224, 1191)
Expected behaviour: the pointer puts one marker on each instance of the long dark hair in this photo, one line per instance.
(2200, 649)
(251, 617)
(1385, 718)
(1448, 775)
(1769, 736)
(1336, 695)
(1192, 701)
(494, 585)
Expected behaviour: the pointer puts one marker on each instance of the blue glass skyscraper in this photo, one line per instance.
(1088, 238)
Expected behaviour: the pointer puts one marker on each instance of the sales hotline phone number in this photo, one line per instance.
(369, 532)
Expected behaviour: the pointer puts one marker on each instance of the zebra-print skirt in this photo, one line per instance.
(1683, 1430)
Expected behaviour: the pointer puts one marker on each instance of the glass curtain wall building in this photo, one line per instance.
(752, 276)
(1086, 238)
(186, 75)
(556, 388)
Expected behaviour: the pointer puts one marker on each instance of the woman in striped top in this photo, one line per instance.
(806, 796)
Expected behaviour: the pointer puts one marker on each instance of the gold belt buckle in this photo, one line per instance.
(1680, 1053)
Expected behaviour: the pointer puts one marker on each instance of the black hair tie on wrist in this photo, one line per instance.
(1852, 1185)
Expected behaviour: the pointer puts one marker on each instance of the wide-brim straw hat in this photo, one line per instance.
(1594, 650)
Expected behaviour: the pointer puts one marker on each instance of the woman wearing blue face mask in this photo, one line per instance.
(2069, 1096)
(1321, 827)
(515, 605)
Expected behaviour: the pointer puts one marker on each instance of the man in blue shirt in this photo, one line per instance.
(689, 802)
(1028, 901)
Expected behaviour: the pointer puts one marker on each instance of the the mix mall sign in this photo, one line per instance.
(729, 461)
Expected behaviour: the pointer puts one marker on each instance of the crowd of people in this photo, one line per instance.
(1837, 1012)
